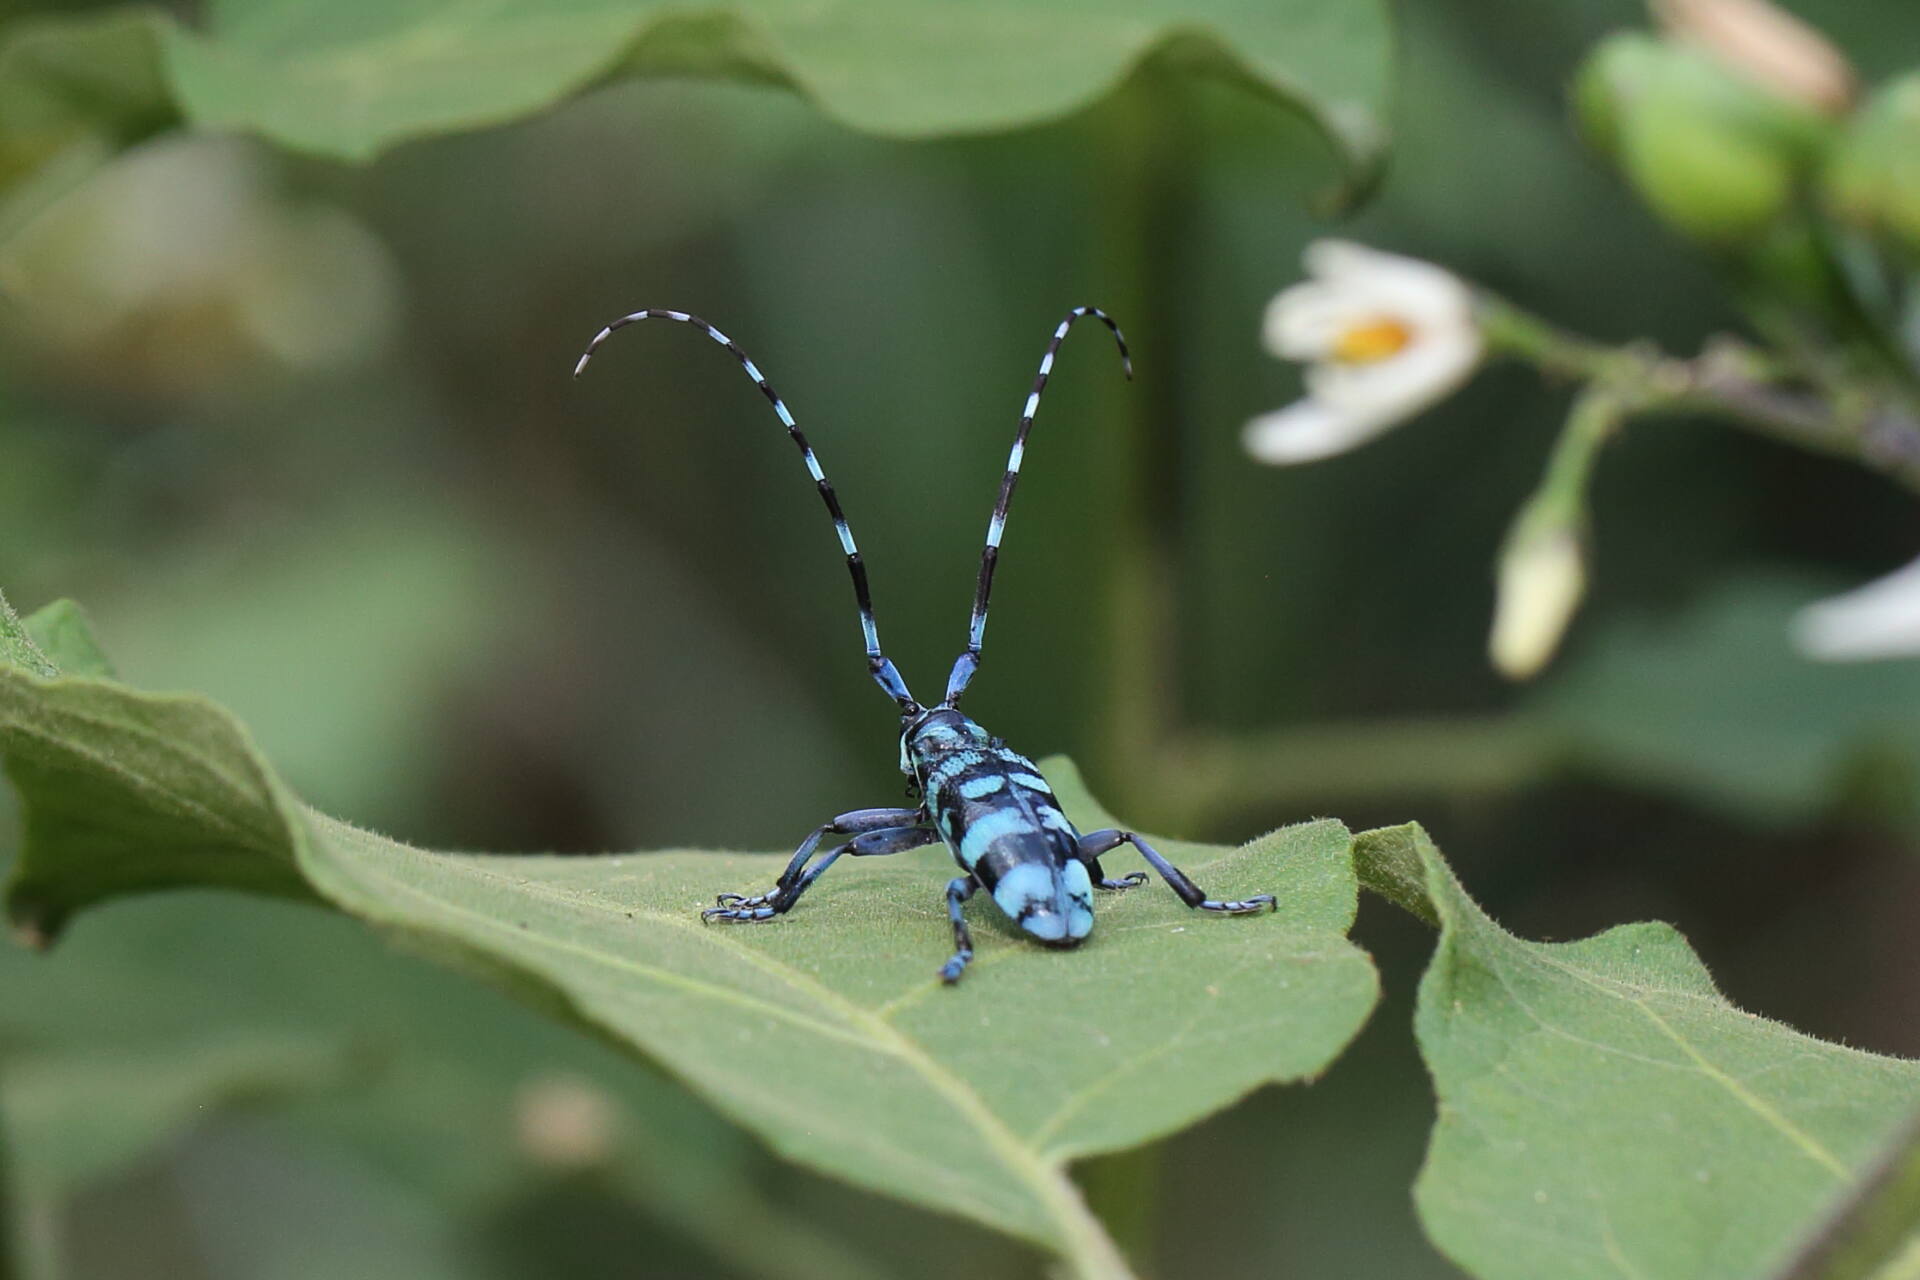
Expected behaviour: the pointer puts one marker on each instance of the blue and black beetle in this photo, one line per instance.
(989, 803)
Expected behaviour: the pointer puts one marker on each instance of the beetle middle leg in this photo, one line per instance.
(959, 890)
(875, 832)
(1095, 843)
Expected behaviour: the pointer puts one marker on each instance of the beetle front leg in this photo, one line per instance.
(1095, 843)
(853, 823)
(781, 898)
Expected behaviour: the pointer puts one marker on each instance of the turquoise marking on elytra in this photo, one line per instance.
(1031, 781)
(1025, 887)
(984, 831)
(1079, 899)
(980, 788)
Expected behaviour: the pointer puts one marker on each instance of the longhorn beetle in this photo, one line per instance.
(985, 800)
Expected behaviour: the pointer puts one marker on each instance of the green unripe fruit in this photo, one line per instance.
(1873, 180)
(1610, 81)
(1713, 154)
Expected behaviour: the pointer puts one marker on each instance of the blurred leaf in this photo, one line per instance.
(61, 631)
(376, 75)
(71, 1116)
(1604, 1111)
(385, 599)
(447, 1076)
(1876, 1232)
(1716, 706)
(17, 647)
(830, 1035)
(74, 92)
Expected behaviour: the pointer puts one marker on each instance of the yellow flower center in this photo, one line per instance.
(1372, 341)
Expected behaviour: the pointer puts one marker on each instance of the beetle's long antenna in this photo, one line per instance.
(969, 661)
(885, 674)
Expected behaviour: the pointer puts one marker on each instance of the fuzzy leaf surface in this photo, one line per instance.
(1605, 1112)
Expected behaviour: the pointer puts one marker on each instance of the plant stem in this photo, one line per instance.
(1730, 381)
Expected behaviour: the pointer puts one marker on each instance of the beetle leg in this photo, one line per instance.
(866, 845)
(958, 891)
(1095, 843)
(856, 822)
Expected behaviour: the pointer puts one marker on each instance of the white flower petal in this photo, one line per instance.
(1304, 321)
(1384, 337)
(1308, 430)
(1407, 287)
(1878, 620)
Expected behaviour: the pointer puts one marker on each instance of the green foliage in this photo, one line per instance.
(1710, 152)
(1713, 704)
(375, 75)
(1604, 1111)
(17, 647)
(173, 1010)
(61, 632)
(1874, 178)
(73, 93)
(72, 1116)
(969, 1100)
(1876, 1233)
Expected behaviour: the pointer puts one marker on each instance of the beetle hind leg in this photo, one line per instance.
(1095, 843)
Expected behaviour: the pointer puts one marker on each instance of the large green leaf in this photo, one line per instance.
(828, 1033)
(371, 75)
(1604, 1111)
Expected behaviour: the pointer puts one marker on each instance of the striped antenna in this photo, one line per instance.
(969, 662)
(881, 667)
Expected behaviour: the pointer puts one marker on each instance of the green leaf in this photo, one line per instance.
(828, 1033)
(1716, 706)
(62, 632)
(1604, 1111)
(74, 92)
(374, 75)
(71, 1116)
(17, 647)
(437, 1099)
(1875, 1235)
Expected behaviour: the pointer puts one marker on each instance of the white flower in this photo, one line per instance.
(1542, 577)
(1879, 620)
(1386, 337)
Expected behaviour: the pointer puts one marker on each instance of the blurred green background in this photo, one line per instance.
(301, 435)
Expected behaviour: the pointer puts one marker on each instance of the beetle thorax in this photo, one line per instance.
(941, 742)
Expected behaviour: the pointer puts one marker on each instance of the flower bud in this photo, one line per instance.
(1713, 154)
(1542, 577)
(1873, 180)
(1767, 46)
